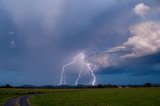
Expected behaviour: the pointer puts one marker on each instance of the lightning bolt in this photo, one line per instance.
(94, 77)
(66, 65)
(79, 75)
(62, 79)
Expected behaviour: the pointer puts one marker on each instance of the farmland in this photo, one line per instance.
(101, 97)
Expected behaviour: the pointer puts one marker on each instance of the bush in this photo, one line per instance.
(147, 84)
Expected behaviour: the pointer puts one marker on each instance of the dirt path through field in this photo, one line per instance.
(19, 101)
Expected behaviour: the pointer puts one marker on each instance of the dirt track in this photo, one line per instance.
(19, 101)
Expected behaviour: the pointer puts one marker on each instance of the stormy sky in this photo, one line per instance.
(120, 39)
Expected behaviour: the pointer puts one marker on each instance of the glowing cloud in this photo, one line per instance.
(141, 10)
(145, 40)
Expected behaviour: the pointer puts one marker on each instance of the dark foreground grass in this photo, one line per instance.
(100, 97)
(8, 93)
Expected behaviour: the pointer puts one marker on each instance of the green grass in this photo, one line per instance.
(86, 97)
(100, 97)
(8, 93)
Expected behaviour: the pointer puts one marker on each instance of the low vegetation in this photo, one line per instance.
(100, 97)
(88, 97)
(8, 93)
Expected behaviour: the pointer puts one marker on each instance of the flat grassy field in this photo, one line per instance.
(8, 93)
(100, 97)
(86, 97)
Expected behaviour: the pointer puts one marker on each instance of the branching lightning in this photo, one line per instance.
(66, 65)
(84, 65)
(79, 75)
(94, 77)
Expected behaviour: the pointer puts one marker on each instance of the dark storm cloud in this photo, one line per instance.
(146, 65)
(37, 37)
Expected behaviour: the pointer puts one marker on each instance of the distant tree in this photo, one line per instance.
(8, 86)
(109, 86)
(147, 84)
(99, 86)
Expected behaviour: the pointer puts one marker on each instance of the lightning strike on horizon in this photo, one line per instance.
(62, 79)
(70, 63)
(79, 75)
(94, 77)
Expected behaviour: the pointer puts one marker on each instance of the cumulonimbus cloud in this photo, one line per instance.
(145, 40)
